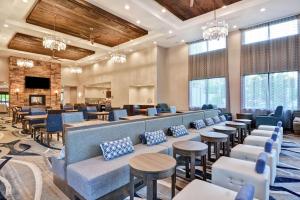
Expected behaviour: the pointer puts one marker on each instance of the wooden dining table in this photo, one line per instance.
(135, 117)
(29, 118)
(85, 123)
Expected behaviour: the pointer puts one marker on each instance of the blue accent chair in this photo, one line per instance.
(119, 113)
(53, 125)
(91, 109)
(271, 119)
(152, 111)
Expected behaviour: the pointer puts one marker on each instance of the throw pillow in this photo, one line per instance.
(116, 148)
(222, 118)
(178, 131)
(198, 124)
(155, 137)
(209, 121)
(216, 119)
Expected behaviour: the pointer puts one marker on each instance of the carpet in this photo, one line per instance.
(25, 169)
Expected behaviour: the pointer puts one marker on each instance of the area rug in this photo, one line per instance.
(25, 169)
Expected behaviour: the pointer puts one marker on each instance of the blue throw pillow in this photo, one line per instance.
(246, 193)
(274, 136)
(178, 131)
(279, 123)
(222, 118)
(268, 146)
(116, 148)
(155, 137)
(209, 121)
(198, 124)
(216, 119)
(261, 163)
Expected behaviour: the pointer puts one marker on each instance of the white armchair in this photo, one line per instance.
(233, 173)
(267, 133)
(251, 153)
(269, 128)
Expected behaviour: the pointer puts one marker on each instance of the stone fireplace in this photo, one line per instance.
(37, 100)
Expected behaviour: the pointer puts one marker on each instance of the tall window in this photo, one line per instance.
(207, 46)
(267, 91)
(271, 31)
(4, 98)
(208, 91)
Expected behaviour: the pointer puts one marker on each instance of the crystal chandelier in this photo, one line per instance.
(215, 30)
(25, 63)
(118, 58)
(53, 42)
(76, 70)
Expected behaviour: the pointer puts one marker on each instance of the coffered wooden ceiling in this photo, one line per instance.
(77, 17)
(33, 44)
(182, 9)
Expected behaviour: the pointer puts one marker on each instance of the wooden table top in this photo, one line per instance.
(246, 121)
(152, 163)
(224, 128)
(192, 146)
(22, 113)
(98, 113)
(86, 123)
(213, 134)
(134, 117)
(71, 110)
(235, 124)
(35, 117)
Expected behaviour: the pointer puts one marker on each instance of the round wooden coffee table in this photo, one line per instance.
(230, 131)
(241, 128)
(151, 167)
(248, 122)
(191, 150)
(216, 139)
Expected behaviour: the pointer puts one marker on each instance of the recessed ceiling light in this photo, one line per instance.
(69, 42)
(138, 21)
(154, 42)
(203, 27)
(224, 6)
(163, 10)
(170, 31)
(127, 7)
(130, 50)
(25, 1)
(182, 41)
(262, 9)
(234, 26)
(5, 25)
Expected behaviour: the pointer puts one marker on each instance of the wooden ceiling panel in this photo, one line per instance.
(183, 10)
(76, 17)
(33, 44)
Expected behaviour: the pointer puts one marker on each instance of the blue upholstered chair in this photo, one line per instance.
(91, 109)
(271, 119)
(151, 111)
(173, 109)
(163, 107)
(119, 113)
(54, 125)
(72, 117)
(38, 124)
(204, 107)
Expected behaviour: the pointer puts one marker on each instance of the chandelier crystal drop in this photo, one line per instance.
(215, 30)
(25, 63)
(54, 43)
(118, 58)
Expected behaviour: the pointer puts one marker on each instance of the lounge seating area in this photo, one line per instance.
(152, 99)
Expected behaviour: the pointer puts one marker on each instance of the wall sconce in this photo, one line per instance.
(79, 94)
(17, 93)
(56, 94)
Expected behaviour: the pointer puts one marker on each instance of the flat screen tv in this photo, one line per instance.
(37, 82)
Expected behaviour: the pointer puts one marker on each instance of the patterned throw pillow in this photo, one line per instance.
(198, 124)
(178, 131)
(116, 148)
(209, 121)
(155, 137)
(216, 119)
(222, 118)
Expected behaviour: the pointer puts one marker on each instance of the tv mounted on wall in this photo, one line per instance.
(37, 82)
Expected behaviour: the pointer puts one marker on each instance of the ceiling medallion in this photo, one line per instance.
(76, 70)
(53, 42)
(25, 63)
(118, 58)
(215, 30)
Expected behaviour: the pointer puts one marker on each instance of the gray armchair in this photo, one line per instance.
(271, 119)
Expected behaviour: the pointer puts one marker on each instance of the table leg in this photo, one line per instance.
(149, 184)
(173, 183)
(131, 186)
(154, 182)
(209, 150)
(204, 167)
(228, 147)
(217, 150)
(223, 148)
(232, 136)
(187, 167)
(193, 160)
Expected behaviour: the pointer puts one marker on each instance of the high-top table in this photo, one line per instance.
(241, 128)
(230, 131)
(151, 167)
(217, 139)
(191, 150)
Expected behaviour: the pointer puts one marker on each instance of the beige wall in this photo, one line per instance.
(4, 69)
(173, 76)
(139, 70)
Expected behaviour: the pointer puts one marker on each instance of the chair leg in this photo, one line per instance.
(57, 135)
(48, 139)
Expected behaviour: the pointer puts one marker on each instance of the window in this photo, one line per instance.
(207, 46)
(267, 91)
(208, 91)
(4, 98)
(271, 31)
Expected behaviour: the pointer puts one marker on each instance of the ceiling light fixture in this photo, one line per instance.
(25, 1)
(127, 7)
(5, 25)
(25, 63)
(163, 10)
(234, 26)
(138, 21)
(215, 30)
(154, 42)
(53, 42)
(117, 57)
(262, 9)
(182, 41)
(170, 31)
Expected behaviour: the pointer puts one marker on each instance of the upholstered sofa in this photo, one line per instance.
(89, 176)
